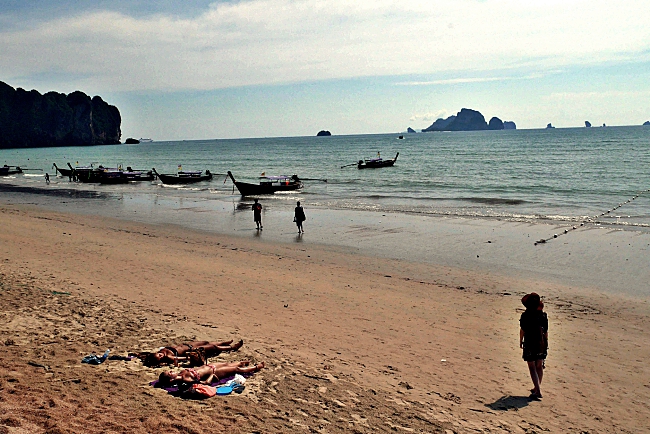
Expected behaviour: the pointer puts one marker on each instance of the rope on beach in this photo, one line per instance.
(593, 219)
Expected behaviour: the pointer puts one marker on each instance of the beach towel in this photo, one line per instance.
(176, 390)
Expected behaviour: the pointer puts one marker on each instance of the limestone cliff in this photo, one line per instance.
(31, 120)
(468, 120)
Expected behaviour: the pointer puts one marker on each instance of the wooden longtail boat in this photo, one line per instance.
(89, 173)
(269, 185)
(375, 163)
(10, 170)
(125, 176)
(183, 177)
(63, 172)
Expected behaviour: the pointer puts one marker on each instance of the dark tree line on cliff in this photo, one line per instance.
(30, 120)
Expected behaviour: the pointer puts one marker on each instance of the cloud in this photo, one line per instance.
(464, 80)
(429, 117)
(266, 42)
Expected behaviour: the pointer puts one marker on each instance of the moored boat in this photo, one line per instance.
(183, 177)
(125, 176)
(62, 171)
(10, 170)
(268, 185)
(89, 173)
(374, 163)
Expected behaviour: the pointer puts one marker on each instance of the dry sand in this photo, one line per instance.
(351, 343)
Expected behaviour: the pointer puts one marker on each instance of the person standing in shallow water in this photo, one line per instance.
(299, 217)
(533, 339)
(257, 214)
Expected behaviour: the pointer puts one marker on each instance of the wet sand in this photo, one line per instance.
(352, 341)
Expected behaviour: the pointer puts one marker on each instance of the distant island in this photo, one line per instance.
(646, 123)
(469, 120)
(131, 141)
(587, 124)
(549, 126)
(31, 120)
(410, 130)
(322, 133)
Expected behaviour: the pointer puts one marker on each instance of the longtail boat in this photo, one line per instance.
(125, 176)
(183, 177)
(374, 163)
(10, 170)
(268, 185)
(89, 173)
(63, 172)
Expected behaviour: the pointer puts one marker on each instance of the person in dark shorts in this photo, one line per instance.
(299, 217)
(257, 214)
(533, 339)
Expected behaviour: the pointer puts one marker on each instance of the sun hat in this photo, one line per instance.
(531, 301)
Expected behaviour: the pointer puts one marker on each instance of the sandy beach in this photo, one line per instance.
(352, 342)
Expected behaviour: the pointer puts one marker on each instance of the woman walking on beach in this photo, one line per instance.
(299, 217)
(533, 338)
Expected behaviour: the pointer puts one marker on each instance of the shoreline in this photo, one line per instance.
(385, 325)
(609, 259)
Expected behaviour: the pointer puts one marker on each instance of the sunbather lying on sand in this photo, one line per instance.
(196, 353)
(206, 374)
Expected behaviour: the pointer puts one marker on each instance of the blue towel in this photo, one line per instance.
(93, 359)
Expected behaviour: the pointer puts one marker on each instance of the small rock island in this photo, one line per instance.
(469, 120)
(323, 133)
(646, 124)
(587, 124)
(31, 120)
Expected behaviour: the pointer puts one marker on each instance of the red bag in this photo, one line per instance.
(203, 390)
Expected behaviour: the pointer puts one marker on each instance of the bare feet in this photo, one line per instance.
(238, 345)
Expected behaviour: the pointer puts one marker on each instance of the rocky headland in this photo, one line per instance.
(323, 133)
(31, 120)
(469, 120)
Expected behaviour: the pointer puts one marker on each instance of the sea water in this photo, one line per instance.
(522, 175)
(471, 200)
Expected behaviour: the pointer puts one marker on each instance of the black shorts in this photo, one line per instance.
(534, 354)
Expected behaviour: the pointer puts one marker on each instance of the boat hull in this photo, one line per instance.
(183, 177)
(248, 189)
(126, 177)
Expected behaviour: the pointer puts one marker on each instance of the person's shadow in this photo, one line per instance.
(509, 402)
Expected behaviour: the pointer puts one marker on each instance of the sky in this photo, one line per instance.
(274, 68)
